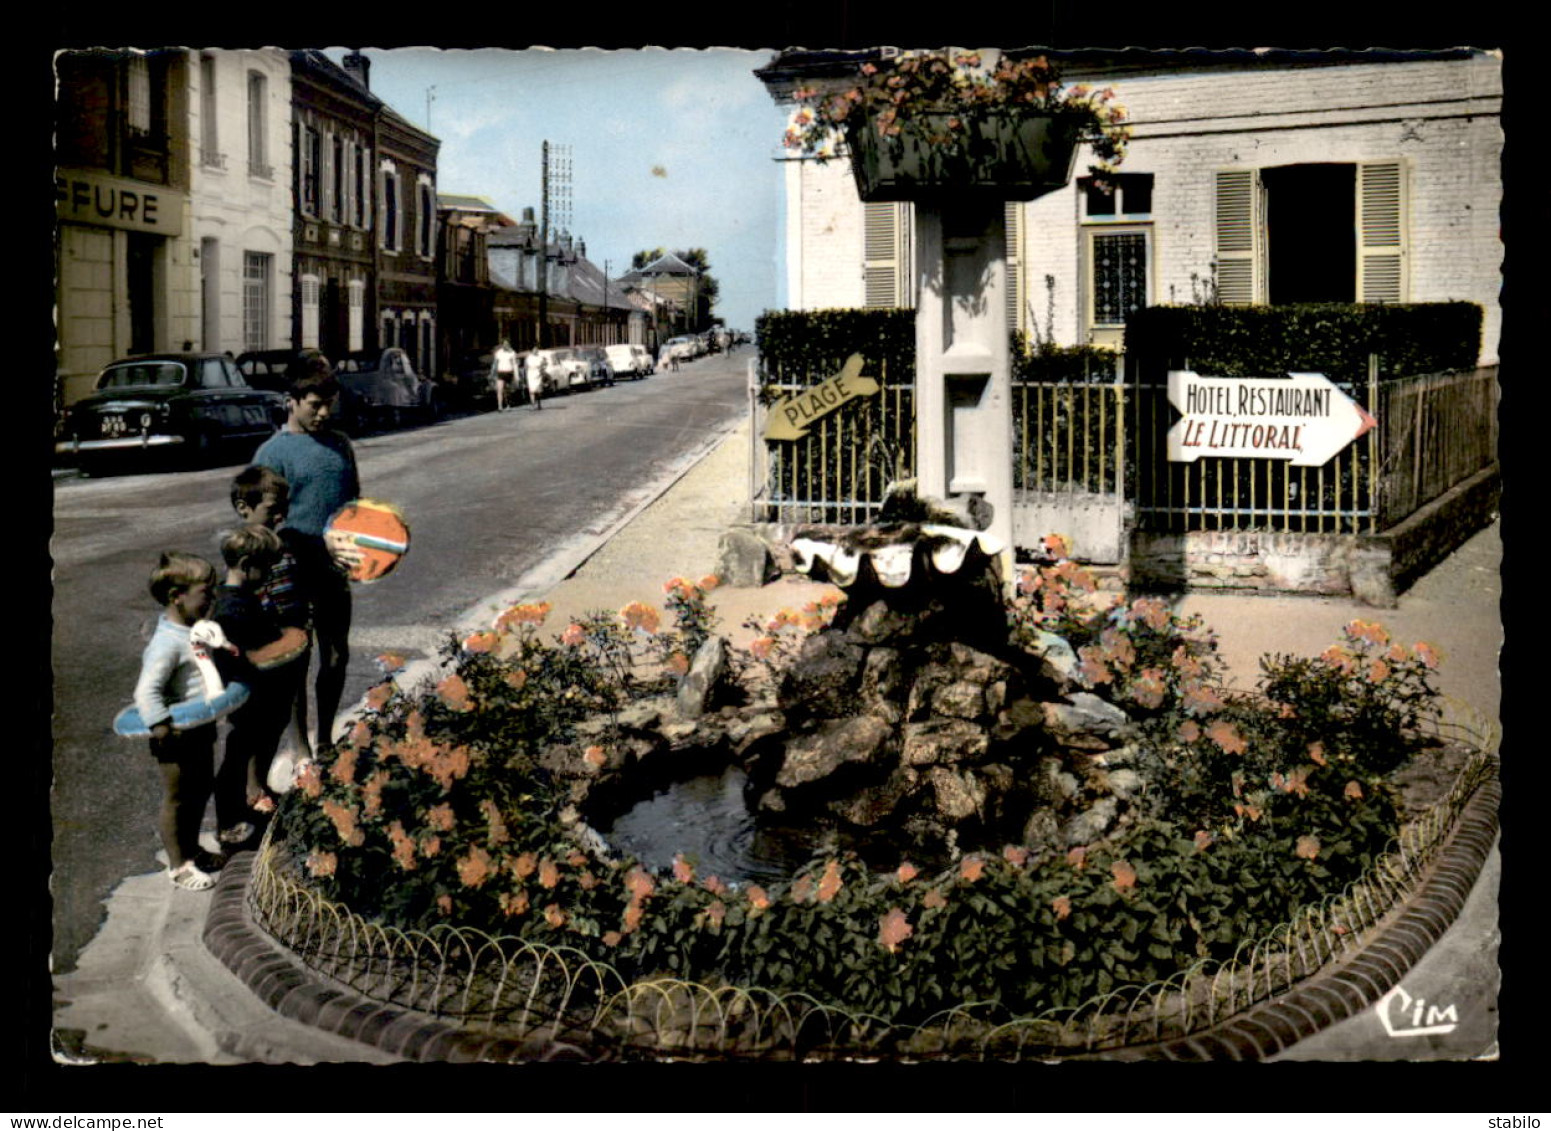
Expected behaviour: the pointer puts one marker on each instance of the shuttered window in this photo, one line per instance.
(887, 271)
(1240, 274)
(309, 312)
(1016, 284)
(1381, 232)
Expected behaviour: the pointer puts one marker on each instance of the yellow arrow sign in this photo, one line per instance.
(791, 417)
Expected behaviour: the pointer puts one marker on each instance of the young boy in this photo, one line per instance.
(319, 465)
(250, 553)
(261, 497)
(181, 583)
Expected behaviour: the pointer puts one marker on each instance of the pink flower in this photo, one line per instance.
(893, 929)
(573, 635)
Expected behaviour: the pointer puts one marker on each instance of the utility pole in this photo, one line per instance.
(543, 259)
(430, 96)
(606, 325)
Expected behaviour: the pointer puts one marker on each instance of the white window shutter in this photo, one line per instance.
(1240, 243)
(1016, 289)
(880, 261)
(887, 276)
(310, 295)
(1381, 232)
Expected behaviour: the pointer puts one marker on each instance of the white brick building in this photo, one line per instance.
(240, 197)
(1265, 177)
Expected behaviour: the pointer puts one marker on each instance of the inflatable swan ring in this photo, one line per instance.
(219, 699)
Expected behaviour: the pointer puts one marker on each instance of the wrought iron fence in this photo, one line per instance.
(838, 471)
(1069, 436)
(510, 987)
(1434, 431)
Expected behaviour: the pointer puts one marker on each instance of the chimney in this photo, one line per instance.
(527, 229)
(358, 67)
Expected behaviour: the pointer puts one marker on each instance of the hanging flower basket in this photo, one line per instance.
(1004, 156)
(924, 125)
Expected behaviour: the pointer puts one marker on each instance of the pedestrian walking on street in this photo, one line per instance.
(505, 363)
(182, 584)
(535, 369)
(318, 462)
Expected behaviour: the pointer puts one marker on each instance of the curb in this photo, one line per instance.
(1354, 983)
(298, 994)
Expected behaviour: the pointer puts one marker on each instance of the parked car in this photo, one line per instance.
(600, 370)
(265, 369)
(682, 347)
(471, 380)
(568, 370)
(380, 388)
(190, 405)
(629, 361)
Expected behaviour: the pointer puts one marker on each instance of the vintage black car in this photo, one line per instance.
(380, 389)
(184, 407)
(266, 369)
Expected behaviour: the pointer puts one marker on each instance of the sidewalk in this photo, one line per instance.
(147, 989)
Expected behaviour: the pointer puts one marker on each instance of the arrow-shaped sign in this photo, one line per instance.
(790, 417)
(1302, 418)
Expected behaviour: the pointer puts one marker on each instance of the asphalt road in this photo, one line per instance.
(496, 504)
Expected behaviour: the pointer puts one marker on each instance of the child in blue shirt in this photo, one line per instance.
(318, 463)
(181, 583)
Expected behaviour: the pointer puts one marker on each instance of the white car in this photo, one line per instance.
(629, 361)
(682, 348)
(567, 370)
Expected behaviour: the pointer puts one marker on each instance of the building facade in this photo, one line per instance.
(465, 294)
(335, 205)
(240, 197)
(1251, 177)
(125, 273)
(561, 289)
(406, 237)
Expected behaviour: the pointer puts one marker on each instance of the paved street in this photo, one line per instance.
(494, 503)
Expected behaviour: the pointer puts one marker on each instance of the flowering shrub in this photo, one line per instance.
(435, 805)
(437, 808)
(932, 97)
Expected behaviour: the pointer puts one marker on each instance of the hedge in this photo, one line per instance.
(1330, 338)
(808, 346)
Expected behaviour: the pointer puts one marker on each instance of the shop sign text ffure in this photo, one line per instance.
(1301, 418)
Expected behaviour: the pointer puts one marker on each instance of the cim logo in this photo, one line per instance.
(1405, 1016)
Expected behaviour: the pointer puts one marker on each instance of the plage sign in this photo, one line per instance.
(791, 416)
(1301, 418)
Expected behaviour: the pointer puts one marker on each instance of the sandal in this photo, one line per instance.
(188, 876)
(236, 834)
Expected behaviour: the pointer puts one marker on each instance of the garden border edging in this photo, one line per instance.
(1342, 990)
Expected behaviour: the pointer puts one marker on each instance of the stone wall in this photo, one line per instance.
(1372, 568)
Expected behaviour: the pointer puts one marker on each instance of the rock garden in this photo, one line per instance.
(1018, 793)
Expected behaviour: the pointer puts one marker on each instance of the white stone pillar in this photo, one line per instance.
(963, 363)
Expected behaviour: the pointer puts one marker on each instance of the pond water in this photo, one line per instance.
(707, 819)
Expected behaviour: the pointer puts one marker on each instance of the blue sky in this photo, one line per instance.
(669, 148)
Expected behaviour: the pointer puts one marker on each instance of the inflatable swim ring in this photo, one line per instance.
(377, 531)
(219, 699)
